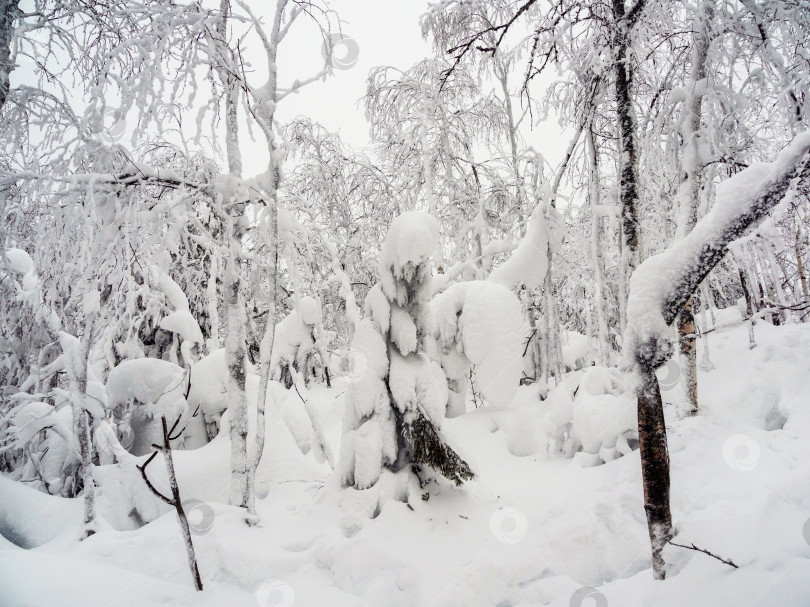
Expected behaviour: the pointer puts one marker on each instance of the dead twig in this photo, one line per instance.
(693, 547)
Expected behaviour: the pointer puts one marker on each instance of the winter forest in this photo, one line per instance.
(449, 303)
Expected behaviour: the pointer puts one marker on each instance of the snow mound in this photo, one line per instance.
(411, 240)
(30, 518)
(604, 413)
(600, 417)
(576, 351)
(153, 388)
(483, 321)
(369, 439)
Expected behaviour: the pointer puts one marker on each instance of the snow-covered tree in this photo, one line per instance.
(394, 411)
(660, 287)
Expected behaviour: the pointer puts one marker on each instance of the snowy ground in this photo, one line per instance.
(530, 530)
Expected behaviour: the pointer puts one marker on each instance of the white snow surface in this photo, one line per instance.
(532, 529)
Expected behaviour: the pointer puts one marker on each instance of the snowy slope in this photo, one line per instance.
(531, 529)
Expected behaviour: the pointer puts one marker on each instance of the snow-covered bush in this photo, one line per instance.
(143, 390)
(595, 414)
(43, 452)
(479, 323)
(576, 351)
(298, 344)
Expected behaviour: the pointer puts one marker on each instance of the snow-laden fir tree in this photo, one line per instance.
(394, 410)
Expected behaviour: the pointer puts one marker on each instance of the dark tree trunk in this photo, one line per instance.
(793, 168)
(749, 302)
(628, 159)
(652, 434)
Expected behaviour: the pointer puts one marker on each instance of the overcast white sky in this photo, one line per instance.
(386, 32)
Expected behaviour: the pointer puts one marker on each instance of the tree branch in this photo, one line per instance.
(149, 484)
(693, 547)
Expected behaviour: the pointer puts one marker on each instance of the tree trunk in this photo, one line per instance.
(9, 10)
(235, 351)
(236, 338)
(706, 364)
(596, 251)
(688, 350)
(652, 435)
(749, 302)
(266, 355)
(213, 300)
(691, 186)
(83, 427)
(178, 505)
(754, 284)
(791, 167)
(266, 116)
(799, 262)
(776, 272)
(547, 353)
(769, 279)
(628, 158)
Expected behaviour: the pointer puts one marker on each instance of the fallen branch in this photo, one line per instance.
(693, 547)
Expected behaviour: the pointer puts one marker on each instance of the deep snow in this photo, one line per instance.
(531, 529)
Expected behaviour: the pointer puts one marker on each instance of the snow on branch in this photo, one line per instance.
(662, 284)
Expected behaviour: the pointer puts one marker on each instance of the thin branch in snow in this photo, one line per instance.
(693, 547)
